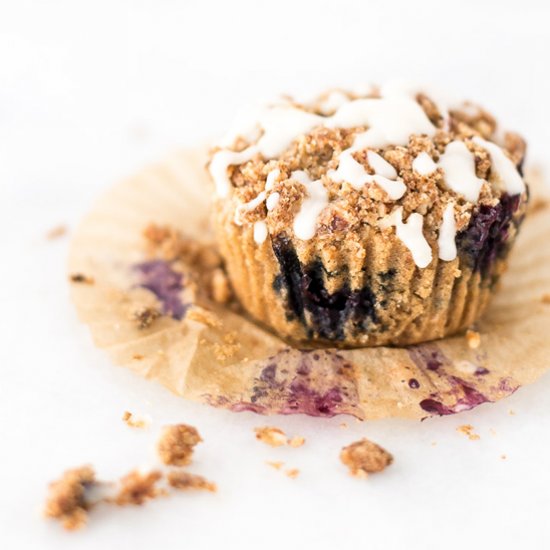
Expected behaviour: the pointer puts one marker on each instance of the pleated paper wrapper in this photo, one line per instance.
(261, 372)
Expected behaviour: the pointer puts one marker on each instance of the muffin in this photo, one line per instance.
(364, 219)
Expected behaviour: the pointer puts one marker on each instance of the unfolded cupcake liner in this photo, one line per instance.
(237, 364)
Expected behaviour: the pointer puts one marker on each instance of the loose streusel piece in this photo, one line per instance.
(468, 429)
(137, 487)
(473, 338)
(145, 316)
(296, 441)
(175, 446)
(67, 497)
(56, 232)
(365, 457)
(184, 481)
(81, 278)
(269, 435)
(135, 421)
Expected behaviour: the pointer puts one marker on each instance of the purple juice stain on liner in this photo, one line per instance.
(166, 284)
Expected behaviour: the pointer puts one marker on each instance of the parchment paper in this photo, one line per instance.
(264, 374)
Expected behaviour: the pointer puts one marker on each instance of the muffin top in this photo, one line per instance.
(396, 158)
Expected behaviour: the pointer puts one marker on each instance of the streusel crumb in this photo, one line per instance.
(137, 487)
(81, 278)
(184, 481)
(269, 435)
(66, 500)
(145, 316)
(176, 444)
(135, 421)
(296, 441)
(473, 338)
(468, 430)
(365, 457)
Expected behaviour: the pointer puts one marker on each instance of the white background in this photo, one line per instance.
(92, 91)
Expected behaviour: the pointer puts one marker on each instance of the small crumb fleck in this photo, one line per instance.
(511, 412)
(185, 480)
(66, 499)
(365, 457)
(56, 232)
(138, 356)
(343, 425)
(503, 457)
(277, 464)
(145, 316)
(296, 441)
(473, 338)
(434, 443)
(293, 473)
(176, 443)
(271, 436)
(81, 278)
(221, 291)
(204, 317)
(137, 487)
(136, 421)
(468, 429)
(545, 298)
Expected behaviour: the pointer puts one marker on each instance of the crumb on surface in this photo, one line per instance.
(365, 457)
(184, 481)
(468, 429)
(56, 232)
(343, 425)
(138, 356)
(545, 298)
(81, 278)
(137, 487)
(176, 444)
(473, 338)
(277, 464)
(511, 412)
(296, 441)
(293, 473)
(503, 457)
(135, 421)
(204, 316)
(269, 435)
(66, 499)
(229, 348)
(145, 316)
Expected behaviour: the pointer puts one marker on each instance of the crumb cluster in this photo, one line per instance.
(275, 437)
(176, 444)
(365, 457)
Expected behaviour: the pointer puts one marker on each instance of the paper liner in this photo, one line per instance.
(264, 374)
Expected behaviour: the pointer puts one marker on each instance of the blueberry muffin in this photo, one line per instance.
(365, 219)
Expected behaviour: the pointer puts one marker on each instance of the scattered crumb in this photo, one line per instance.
(545, 298)
(221, 291)
(138, 356)
(271, 436)
(175, 446)
(473, 338)
(145, 316)
(228, 349)
(56, 232)
(277, 464)
(184, 481)
(468, 430)
(81, 278)
(365, 457)
(434, 443)
(135, 421)
(343, 425)
(137, 487)
(511, 412)
(296, 441)
(204, 316)
(66, 500)
(293, 473)
(503, 457)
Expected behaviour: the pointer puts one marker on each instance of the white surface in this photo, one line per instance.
(89, 92)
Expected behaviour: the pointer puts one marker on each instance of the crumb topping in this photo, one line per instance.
(135, 421)
(468, 430)
(325, 175)
(177, 443)
(138, 487)
(365, 457)
(269, 435)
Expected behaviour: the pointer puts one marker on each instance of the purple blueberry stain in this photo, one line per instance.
(158, 277)
(414, 384)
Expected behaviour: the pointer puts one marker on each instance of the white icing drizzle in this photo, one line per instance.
(260, 232)
(272, 201)
(333, 101)
(221, 161)
(411, 235)
(447, 234)
(247, 206)
(503, 166)
(316, 200)
(424, 165)
(459, 169)
(381, 166)
(271, 178)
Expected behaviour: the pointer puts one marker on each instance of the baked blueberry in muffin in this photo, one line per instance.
(362, 219)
